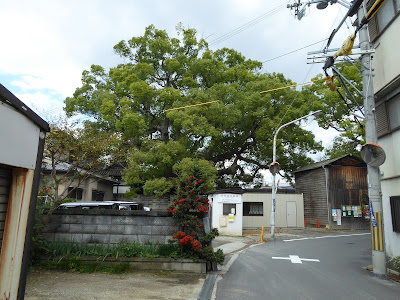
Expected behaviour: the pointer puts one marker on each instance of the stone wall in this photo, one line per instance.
(109, 226)
(160, 204)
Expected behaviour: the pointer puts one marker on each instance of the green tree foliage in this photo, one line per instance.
(341, 146)
(235, 134)
(337, 109)
(73, 156)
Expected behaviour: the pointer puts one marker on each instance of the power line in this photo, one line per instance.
(247, 25)
(293, 51)
(309, 70)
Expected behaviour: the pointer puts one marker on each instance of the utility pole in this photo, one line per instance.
(374, 184)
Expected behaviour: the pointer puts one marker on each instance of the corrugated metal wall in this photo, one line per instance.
(313, 186)
(5, 182)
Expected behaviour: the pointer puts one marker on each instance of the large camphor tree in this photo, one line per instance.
(235, 134)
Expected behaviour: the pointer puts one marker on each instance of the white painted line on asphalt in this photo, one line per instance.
(310, 259)
(306, 238)
(326, 236)
(295, 259)
(275, 257)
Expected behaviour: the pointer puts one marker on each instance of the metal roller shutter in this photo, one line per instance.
(5, 183)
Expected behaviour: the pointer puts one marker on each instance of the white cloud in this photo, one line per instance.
(47, 106)
(48, 44)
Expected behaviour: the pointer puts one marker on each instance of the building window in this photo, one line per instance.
(395, 209)
(229, 209)
(388, 116)
(97, 195)
(252, 209)
(388, 11)
(394, 113)
(75, 193)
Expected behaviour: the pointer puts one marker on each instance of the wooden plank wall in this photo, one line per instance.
(347, 186)
(313, 186)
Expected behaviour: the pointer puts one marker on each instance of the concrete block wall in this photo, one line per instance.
(160, 204)
(109, 226)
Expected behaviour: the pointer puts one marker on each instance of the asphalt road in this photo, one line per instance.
(275, 270)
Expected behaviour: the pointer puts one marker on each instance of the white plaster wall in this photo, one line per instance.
(390, 184)
(392, 239)
(232, 228)
(386, 61)
(391, 144)
(280, 211)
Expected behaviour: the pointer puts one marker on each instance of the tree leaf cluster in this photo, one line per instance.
(235, 134)
(340, 109)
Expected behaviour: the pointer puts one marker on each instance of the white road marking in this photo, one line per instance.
(326, 236)
(295, 259)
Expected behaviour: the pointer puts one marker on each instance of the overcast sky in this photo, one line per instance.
(47, 44)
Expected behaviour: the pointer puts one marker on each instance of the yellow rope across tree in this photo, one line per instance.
(293, 85)
(187, 106)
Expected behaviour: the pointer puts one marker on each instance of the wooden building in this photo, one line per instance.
(335, 193)
(22, 135)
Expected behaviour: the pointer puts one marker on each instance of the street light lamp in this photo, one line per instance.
(274, 168)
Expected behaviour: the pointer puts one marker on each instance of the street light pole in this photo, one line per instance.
(274, 163)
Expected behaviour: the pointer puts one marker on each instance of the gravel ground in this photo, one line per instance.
(45, 284)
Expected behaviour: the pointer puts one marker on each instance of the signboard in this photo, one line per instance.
(372, 216)
(366, 212)
(229, 198)
(231, 217)
(334, 215)
(222, 222)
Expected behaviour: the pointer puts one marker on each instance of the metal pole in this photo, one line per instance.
(273, 209)
(316, 113)
(374, 185)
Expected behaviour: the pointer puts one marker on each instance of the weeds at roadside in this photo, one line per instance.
(394, 263)
(75, 264)
(68, 249)
(68, 256)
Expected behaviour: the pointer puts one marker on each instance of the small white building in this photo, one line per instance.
(236, 210)
(227, 212)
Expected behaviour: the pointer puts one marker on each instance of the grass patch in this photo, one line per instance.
(68, 256)
(75, 264)
(73, 249)
(394, 263)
